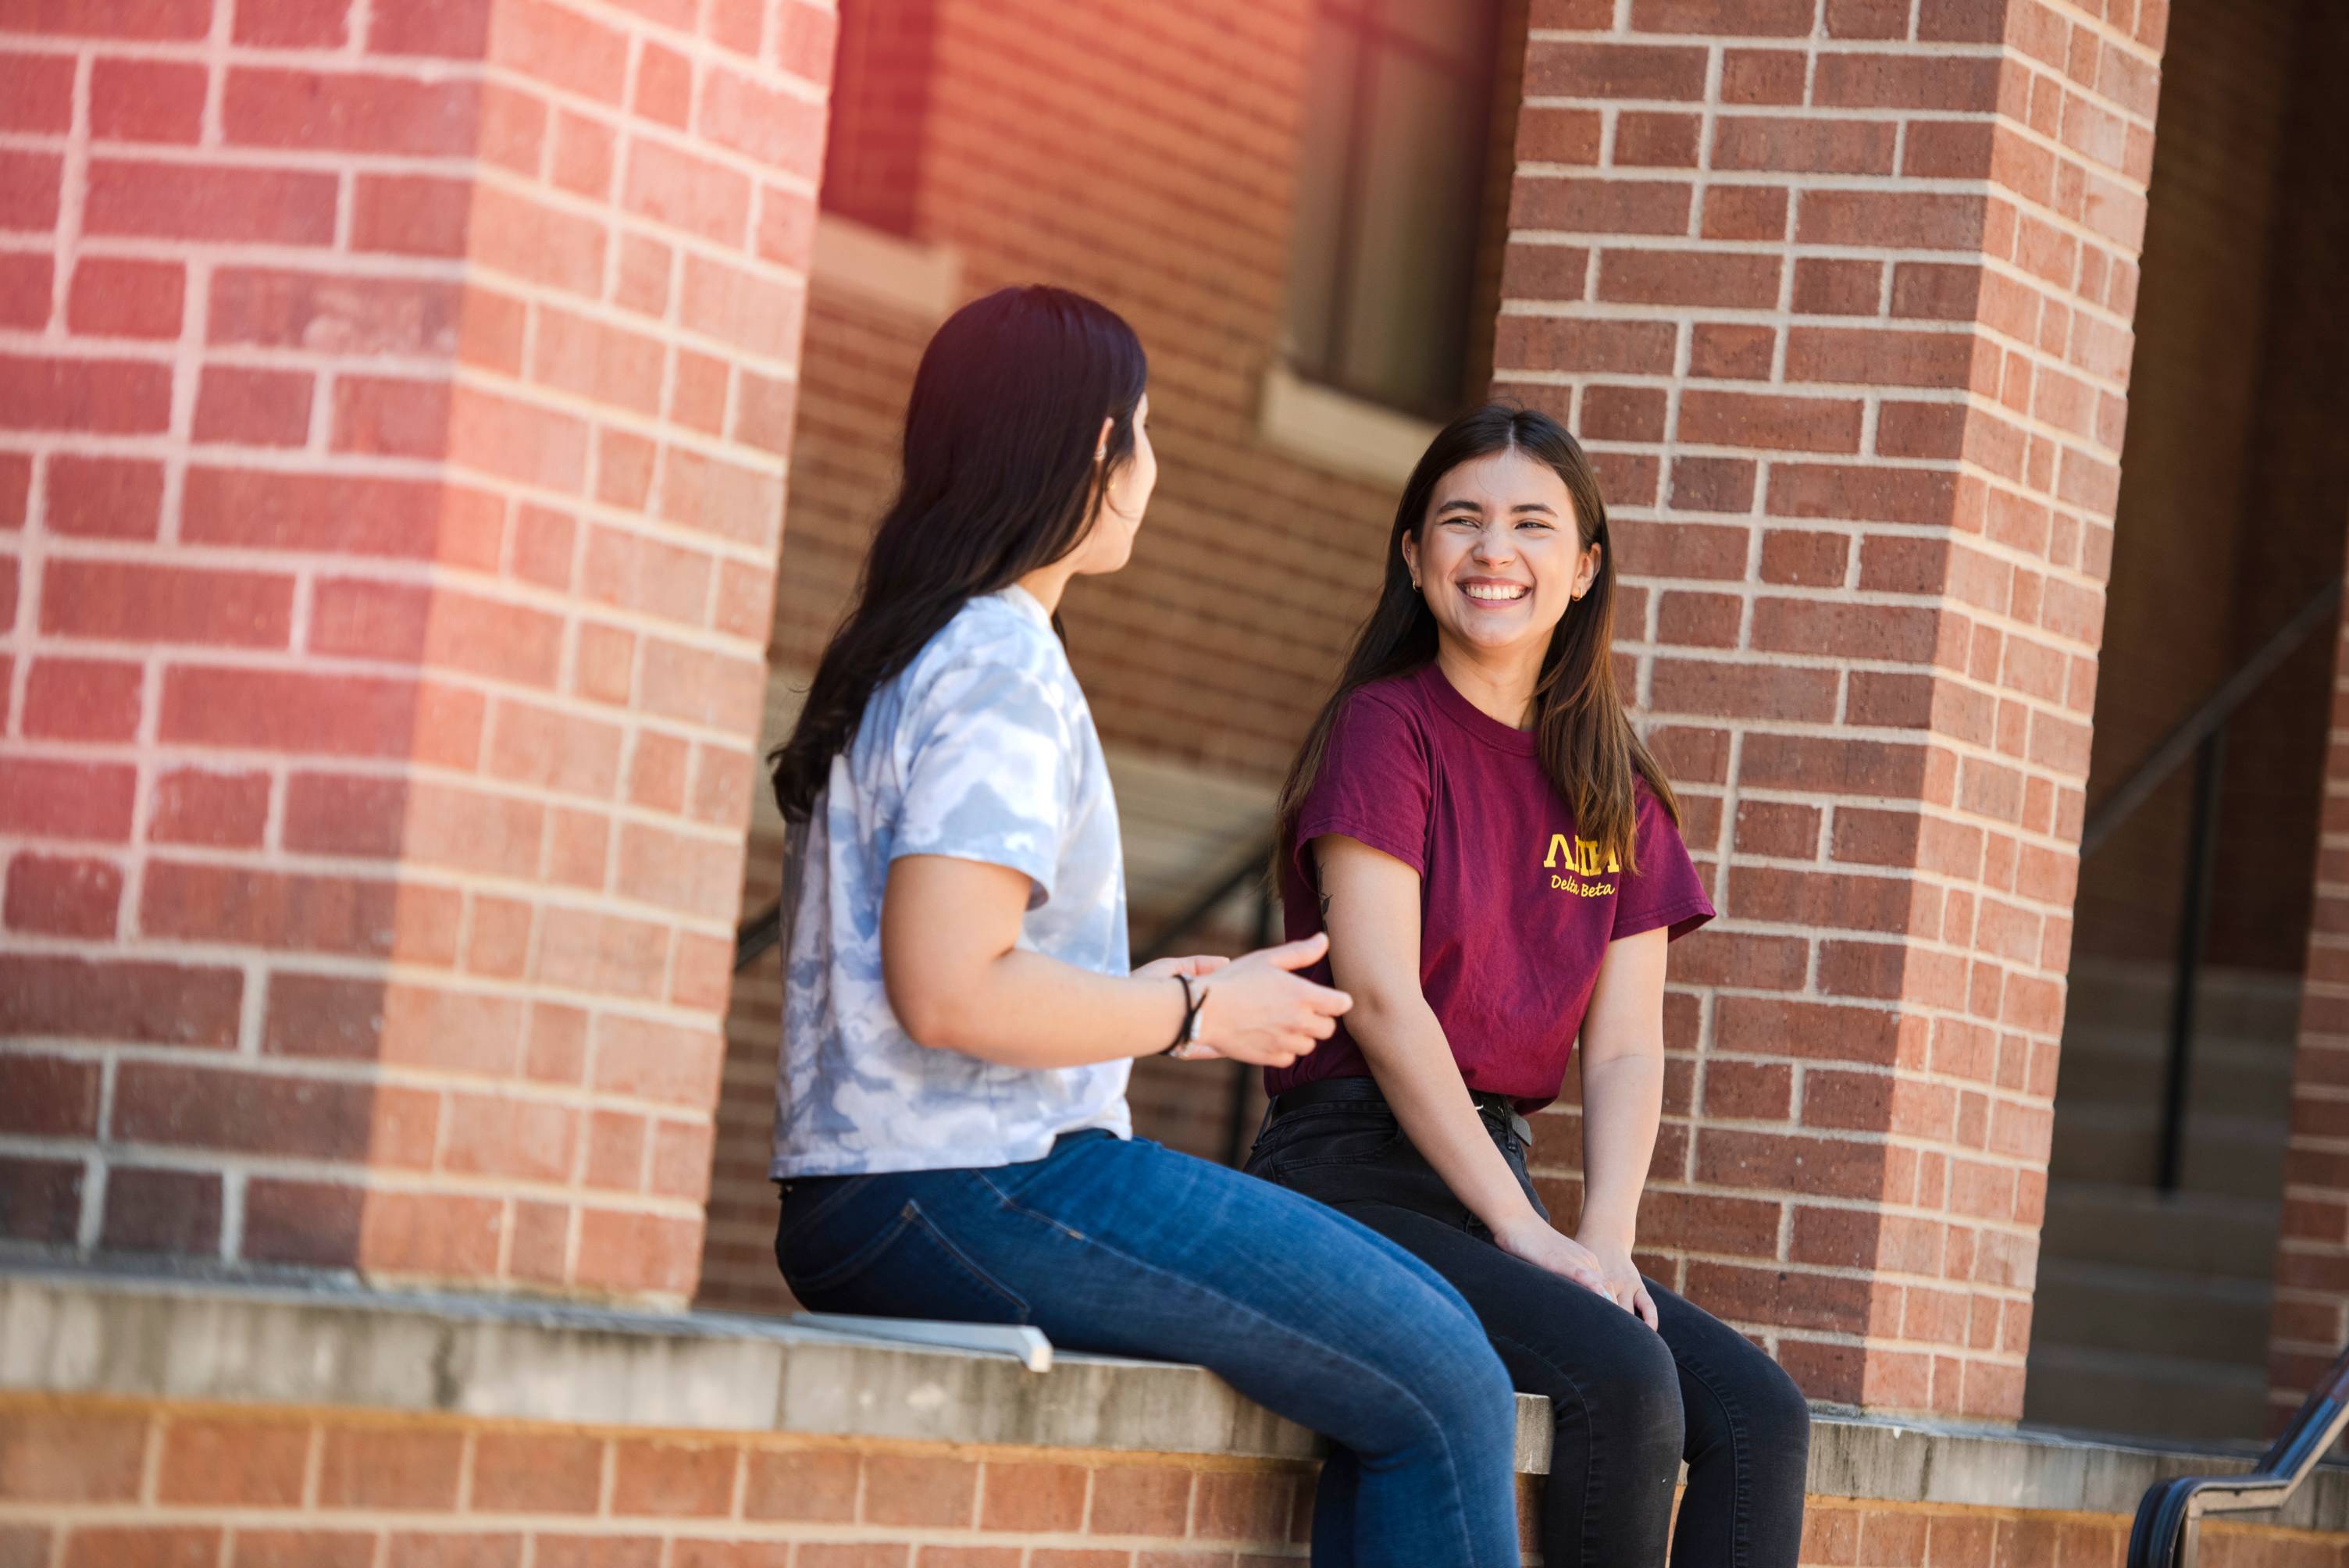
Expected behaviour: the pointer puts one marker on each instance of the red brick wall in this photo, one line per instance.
(2311, 1304)
(1841, 296)
(2310, 1324)
(86, 1484)
(392, 408)
(1216, 644)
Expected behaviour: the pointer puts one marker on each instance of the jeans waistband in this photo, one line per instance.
(1498, 1109)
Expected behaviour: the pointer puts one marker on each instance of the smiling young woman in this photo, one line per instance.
(1497, 863)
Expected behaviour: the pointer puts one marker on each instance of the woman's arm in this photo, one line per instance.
(958, 980)
(1370, 909)
(1622, 1100)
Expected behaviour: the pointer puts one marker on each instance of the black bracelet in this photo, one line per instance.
(1187, 1030)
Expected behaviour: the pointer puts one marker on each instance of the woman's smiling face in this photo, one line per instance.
(1500, 554)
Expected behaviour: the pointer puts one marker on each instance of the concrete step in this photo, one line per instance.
(2195, 1233)
(2159, 1312)
(2099, 1390)
(2224, 1156)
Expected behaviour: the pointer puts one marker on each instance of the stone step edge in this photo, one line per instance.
(334, 1342)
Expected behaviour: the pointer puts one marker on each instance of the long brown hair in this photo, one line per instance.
(1585, 741)
(999, 480)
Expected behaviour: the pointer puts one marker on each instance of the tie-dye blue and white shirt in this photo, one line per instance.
(982, 748)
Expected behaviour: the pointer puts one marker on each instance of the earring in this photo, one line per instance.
(1101, 454)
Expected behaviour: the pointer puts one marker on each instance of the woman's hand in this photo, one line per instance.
(1198, 964)
(1194, 964)
(1259, 1011)
(1623, 1284)
(1534, 1240)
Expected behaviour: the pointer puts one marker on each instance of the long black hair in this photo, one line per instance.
(1585, 738)
(999, 480)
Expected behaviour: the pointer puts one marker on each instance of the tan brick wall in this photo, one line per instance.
(1840, 295)
(392, 408)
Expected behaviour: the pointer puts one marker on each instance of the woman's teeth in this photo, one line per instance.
(1495, 594)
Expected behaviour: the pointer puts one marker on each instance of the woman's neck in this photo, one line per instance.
(1500, 684)
(1047, 583)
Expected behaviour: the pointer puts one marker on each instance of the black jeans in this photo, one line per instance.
(1630, 1402)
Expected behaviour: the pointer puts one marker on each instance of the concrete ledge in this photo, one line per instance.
(1335, 431)
(172, 1338)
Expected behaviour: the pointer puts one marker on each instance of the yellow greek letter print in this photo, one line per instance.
(1581, 856)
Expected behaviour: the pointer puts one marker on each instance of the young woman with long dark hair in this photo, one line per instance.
(1497, 863)
(952, 1138)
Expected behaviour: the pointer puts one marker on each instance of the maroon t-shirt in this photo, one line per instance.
(1515, 913)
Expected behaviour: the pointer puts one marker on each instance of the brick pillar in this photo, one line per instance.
(393, 406)
(1839, 292)
(2310, 1326)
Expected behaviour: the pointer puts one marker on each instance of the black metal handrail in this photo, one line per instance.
(1250, 865)
(756, 935)
(2202, 735)
(2168, 1526)
(2207, 719)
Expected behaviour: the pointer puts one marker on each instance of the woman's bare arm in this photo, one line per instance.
(1622, 1101)
(958, 980)
(1370, 909)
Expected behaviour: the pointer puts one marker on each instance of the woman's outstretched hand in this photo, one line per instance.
(1259, 1012)
(1194, 964)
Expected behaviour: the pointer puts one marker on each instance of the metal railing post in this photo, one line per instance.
(1236, 1130)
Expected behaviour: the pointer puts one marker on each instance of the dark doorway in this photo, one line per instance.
(2151, 1314)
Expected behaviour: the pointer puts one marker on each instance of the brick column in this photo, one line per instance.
(393, 402)
(1839, 291)
(2310, 1323)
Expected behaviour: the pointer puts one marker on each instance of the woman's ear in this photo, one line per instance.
(1589, 574)
(1101, 442)
(1411, 557)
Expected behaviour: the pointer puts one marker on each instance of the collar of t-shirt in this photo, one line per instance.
(1028, 604)
(1445, 698)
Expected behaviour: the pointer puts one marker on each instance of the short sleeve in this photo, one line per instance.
(1666, 891)
(988, 771)
(1375, 785)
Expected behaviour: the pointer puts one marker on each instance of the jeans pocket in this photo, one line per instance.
(806, 1200)
(909, 1268)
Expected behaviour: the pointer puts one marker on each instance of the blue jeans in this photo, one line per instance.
(1129, 1249)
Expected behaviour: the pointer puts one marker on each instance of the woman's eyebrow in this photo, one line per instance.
(1462, 504)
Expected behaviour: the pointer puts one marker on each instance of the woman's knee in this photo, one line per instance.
(1777, 1415)
(1463, 1378)
(1623, 1388)
(1642, 1390)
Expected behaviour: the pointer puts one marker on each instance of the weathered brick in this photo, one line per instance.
(128, 602)
(209, 202)
(63, 897)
